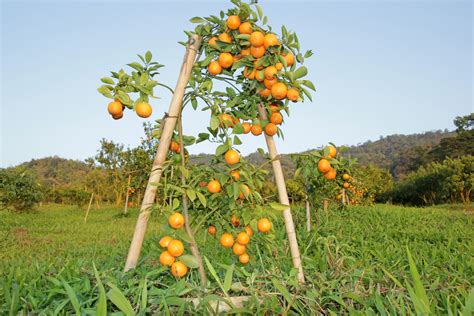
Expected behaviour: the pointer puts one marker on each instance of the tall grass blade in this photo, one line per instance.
(119, 300)
(417, 293)
(102, 302)
(72, 297)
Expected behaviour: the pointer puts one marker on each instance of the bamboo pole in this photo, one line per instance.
(325, 205)
(89, 207)
(283, 195)
(168, 127)
(308, 215)
(343, 197)
(193, 244)
(128, 190)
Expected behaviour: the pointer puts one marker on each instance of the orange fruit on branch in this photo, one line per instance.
(324, 166)
(246, 189)
(331, 174)
(143, 109)
(238, 249)
(257, 51)
(270, 40)
(212, 230)
(256, 129)
(245, 28)
(233, 22)
(176, 220)
(265, 93)
(214, 186)
(117, 116)
(212, 41)
(249, 231)
(279, 66)
(166, 258)
(276, 118)
(346, 176)
(179, 269)
(227, 240)
(225, 60)
(346, 185)
(264, 225)
(235, 174)
(224, 37)
(259, 76)
(174, 146)
(243, 238)
(232, 157)
(214, 68)
(271, 129)
(270, 72)
(115, 108)
(293, 94)
(175, 248)
(244, 258)
(289, 58)
(164, 242)
(332, 151)
(279, 90)
(245, 52)
(257, 39)
(269, 83)
(226, 120)
(235, 220)
(246, 127)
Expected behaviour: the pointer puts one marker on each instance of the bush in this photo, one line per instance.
(18, 190)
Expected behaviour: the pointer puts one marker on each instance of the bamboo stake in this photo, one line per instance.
(343, 197)
(193, 244)
(325, 205)
(283, 195)
(308, 216)
(163, 146)
(128, 190)
(89, 207)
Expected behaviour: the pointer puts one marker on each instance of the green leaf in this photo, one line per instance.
(102, 302)
(119, 300)
(72, 297)
(197, 19)
(237, 141)
(309, 84)
(136, 66)
(418, 295)
(228, 278)
(214, 274)
(144, 296)
(214, 122)
(191, 194)
(238, 129)
(107, 80)
(300, 72)
(201, 198)
(278, 206)
(221, 149)
(469, 306)
(190, 261)
(148, 56)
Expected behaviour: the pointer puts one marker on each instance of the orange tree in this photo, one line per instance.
(246, 75)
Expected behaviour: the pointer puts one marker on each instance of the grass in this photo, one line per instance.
(363, 260)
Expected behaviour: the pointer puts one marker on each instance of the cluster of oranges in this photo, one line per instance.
(174, 147)
(263, 54)
(116, 108)
(174, 248)
(324, 166)
(239, 244)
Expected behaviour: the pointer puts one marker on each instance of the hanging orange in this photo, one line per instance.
(289, 58)
(257, 51)
(269, 83)
(257, 39)
(166, 258)
(179, 269)
(212, 41)
(324, 166)
(276, 118)
(293, 94)
(143, 109)
(232, 157)
(271, 129)
(164, 242)
(235, 174)
(224, 37)
(264, 225)
(175, 248)
(256, 129)
(225, 60)
(249, 231)
(265, 93)
(214, 68)
(279, 90)
(233, 22)
(246, 189)
(245, 28)
(238, 249)
(331, 174)
(332, 151)
(227, 240)
(212, 230)
(246, 127)
(176, 220)
(214, 186)
(270, 72)
(244, 258)
(346, 176)
(270, 40)
(115, 108)
(243, 238)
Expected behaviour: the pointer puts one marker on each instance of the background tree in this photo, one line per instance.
(18, 190)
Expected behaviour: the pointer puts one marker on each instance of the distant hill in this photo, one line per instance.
(399, 154)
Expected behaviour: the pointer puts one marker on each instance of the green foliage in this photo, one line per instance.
(355, 262)
(378, 182)
(296, 190)
(449, 181)
(18, 190)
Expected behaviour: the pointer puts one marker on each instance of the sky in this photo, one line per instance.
(379, 67)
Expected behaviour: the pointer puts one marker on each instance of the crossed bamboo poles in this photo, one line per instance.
(168, 127)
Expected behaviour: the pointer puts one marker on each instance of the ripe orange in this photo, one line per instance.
(265, 93)
(246, 127)
(276, 118)
(270, 40)
(259, 76)
(214, 186)
(270, 72)
(279, 66)
(224, 37)
(274, 108)
(243, 238)
(257, 51)
(227, 240)
(202, 184)
(269, 83)
(279, 90)
(331, 174)
(249, 231)
(117, 116)
(233, 22)
(324, 166)
(244, 188)
(264, 225)
(115, 108)
(214, 68)
(235, 220)
(212, 41)
(164, 242)
(226, 120)
(175, 248)
(345, 185)
(245, 52)
(174, 146)
(238, 249)
(244, 258)
(271, 129)
(293, 94)
(332, 151)
(232, 157)
(176, 220)
(257, 39)
(256, 129)
(245, 28)
(225, 60)
(346, 177)
(290, 59)
(166, 258)
(212, 230)
(235, 174)
(179, 269)
(143, 109)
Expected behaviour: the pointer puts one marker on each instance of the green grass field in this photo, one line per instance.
(356, 261)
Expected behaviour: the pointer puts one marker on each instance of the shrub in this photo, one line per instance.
(18, 190)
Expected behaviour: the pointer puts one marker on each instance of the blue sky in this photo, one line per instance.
(380, 68)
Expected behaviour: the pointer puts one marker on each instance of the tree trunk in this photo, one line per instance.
(160, 157)
(283, 195)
